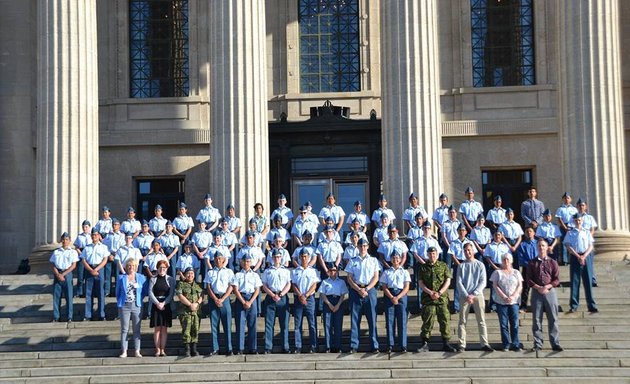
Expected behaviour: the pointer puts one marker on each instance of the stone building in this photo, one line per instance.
(139, 102)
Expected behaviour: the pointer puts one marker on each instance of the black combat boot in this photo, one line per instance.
(193, 349)
(187, 350)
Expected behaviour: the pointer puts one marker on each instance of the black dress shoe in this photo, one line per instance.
(557, 348)
(353, 350)
(229, 353)
(424, 347)
(55, 320)
(487, 348)
(389, 350)
(403, 350)
(297, 351)
(536, 349)
(461, 348)
(311, 350)
(375, 350)
(448, 348)
(593, 310)
(267, 351)
(86, 319)
(286, 351)
(239, 353)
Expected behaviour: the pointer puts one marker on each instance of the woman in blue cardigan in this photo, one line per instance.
(129, 300)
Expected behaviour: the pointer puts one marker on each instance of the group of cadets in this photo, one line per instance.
(236, 271)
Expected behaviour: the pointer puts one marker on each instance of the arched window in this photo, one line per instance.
(502, 42)
(329, 46)
(158, 48)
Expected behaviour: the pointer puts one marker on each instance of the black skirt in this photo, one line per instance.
(163, 318)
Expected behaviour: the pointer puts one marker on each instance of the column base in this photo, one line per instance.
(612, 245)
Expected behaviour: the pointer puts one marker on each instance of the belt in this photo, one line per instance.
(362, 285)
(61, 270)
(394, 291)
(276, 292)
(94, 266)
(333, 296)
(219, 294)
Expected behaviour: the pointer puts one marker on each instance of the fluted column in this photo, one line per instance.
(591, 113)
(239, 146)
(67, 118)
(411, 123)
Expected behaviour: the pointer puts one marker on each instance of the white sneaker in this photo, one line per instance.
(137, 354)
(123, 355)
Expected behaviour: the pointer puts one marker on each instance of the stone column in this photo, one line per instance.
(18, 83)
(239, 144)
(67, 186)
(591, 115)
(411, 122)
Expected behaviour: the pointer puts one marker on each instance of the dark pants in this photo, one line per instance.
(94, 285)
(110, 271)
(62, 288)
(224, 315)
(246, 317)
(333, 324)
(307, 311)
(360, 306)
(280, 309)
(396, 320)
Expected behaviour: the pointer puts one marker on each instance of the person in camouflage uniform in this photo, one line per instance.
(434, 277)
(190, 299)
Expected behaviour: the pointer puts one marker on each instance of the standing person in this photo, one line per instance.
(161, 292)
(332, 293)
(440, 215)
(183, 225)
(187, 260)
(154, 256)
(104, 225)
(507, 283)
(470, 209)
(532, 209)
(492, 256)
(170, 245)
(304, 281)
(276, 283)
(471, 281)
(419, 250)
(82, 240)
(113, 241)
(125, 252)
(143, 242)
(64, 260)
(389, 246)
(359, 215)
(456, 252)
(395, 283)
(307, 239)
(129, 303)
(329, 250)
(234, 223)
(543, 276)
(409, 216)
(588, 223)
(201, 240)
(579, 243)
(190, 297)
(301, 226)
(158, 223)
(434, 278)
(378, 213)
(208, 214)
(564, 214)
(246, 284)
(527, 251)
(480, 236)
(362, 278)
(218, 286)
(332, 210)
(512, 233)
(496, 216)
(130, 224)
(449, 233)
(284, 212)
(94, 257)
(550, 232)
(260, 220)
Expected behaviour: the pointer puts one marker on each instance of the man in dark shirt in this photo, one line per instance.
(543, 276)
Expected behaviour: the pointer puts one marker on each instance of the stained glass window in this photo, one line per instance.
(158, 48)
(502, 42)
(329, 46)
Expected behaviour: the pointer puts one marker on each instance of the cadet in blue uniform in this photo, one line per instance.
(170, 245)
(260, 220)
(419, 250)
(301, 225)
(480, 236)
(395, 283)
(284, 212)
(246, 284)
(550, 232)
(158, 223)
(201, 240)
(382, 208)
(579, 243)
(125, 252)
(332, 293)
(113, 241)
(440, 215)
(234, 223)
(389, 246)
(363, 275)
(187, 260)
(564, 214)
(449, 233)
(218, 285)
(80, 242)
(304, 280)
(183, 226)
(94, 257)
(209, 214)
(276, 284)
(456, 252)
(104, 225)
(359, 215)
(512, 233)
(332, 210)
(492, 256)
(64, 261)
(470, 209)
(329, 250)
(409, 216)
(143, 242)
(307, 239)
(130, 224)
(496, 216)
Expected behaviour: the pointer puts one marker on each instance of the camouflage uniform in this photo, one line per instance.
(189, 319)
(433, 277)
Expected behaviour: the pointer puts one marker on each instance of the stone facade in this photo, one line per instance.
(480, 129)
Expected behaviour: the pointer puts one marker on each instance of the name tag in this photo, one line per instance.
(136, 285)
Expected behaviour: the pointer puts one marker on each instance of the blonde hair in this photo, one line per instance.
(508, 257)
(132, 261)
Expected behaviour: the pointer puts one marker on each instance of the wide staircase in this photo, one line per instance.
(33, 349)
